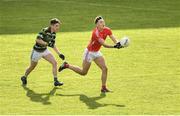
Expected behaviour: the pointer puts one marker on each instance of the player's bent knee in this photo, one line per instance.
(54, 63)
(84, 73)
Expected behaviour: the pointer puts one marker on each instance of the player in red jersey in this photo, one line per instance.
(92, 52)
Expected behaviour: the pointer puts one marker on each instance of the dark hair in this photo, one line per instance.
(54, 21)
(97, 19)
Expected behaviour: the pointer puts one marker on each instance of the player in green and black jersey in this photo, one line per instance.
(45, 38)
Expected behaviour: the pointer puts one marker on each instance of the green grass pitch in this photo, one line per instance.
(145, 77)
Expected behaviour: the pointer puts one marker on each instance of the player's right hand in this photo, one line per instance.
(118, 45)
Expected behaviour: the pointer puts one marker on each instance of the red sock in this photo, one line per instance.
(67, 65)
(103, 86)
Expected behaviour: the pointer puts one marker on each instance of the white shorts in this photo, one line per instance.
(90, 56)
(35, 55)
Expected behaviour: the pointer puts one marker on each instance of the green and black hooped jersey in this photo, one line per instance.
(46, 36)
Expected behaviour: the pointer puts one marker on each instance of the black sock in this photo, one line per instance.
(55, 79)
(25, 76)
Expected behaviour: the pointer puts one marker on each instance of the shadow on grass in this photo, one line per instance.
(91, 102)
(39, 97)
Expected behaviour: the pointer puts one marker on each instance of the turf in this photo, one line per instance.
(145, 77)
(19, 16)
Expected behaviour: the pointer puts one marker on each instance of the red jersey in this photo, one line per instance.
(94, 44)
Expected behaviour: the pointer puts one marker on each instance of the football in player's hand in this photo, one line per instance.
(125, 41)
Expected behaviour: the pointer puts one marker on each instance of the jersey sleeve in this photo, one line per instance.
(41, 34)
(54, 36)
(109, 32)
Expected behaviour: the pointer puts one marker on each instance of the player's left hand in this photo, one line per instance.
(62, 56)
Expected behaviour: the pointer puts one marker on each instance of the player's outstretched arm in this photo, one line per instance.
(58, 52)
(113, 38)
(117, 45)
(102, 42)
